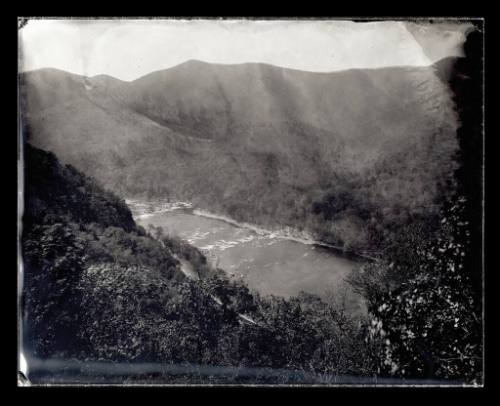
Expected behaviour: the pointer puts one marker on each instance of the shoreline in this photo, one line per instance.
(289, 233)
(307, 240)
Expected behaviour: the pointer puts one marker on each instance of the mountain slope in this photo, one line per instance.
(257, 142)
(51, 188)
(99, 290)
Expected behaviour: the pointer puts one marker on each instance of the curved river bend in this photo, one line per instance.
(267, 262)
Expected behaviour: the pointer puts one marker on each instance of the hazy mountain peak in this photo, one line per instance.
(194, 62)
(104, 77)
(106, 81)
(445, 67)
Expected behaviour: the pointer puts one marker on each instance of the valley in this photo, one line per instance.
(269, 262)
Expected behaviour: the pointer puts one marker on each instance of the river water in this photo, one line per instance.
(268, 262)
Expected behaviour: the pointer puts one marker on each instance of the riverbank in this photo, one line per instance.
(286, 233)
(142, 209)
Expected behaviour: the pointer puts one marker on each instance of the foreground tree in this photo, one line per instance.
(429, 326)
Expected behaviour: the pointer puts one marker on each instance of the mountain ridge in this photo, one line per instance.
(219, 135)
(201, 62)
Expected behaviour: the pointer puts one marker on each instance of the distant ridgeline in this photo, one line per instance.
(99, 288)
(347, 156)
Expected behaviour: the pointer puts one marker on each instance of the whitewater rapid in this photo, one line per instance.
(142, 210)
(283, 262)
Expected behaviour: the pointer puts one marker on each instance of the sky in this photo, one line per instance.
(128, 49)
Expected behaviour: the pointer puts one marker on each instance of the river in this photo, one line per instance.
(268, 262)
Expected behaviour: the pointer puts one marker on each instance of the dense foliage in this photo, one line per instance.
(427, 324)
(426, 294)
(110, 292)
(55, 190)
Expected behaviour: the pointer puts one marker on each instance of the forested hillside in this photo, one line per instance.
(426, 294)
(52, 190)
(99, 288)
(346, 156)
